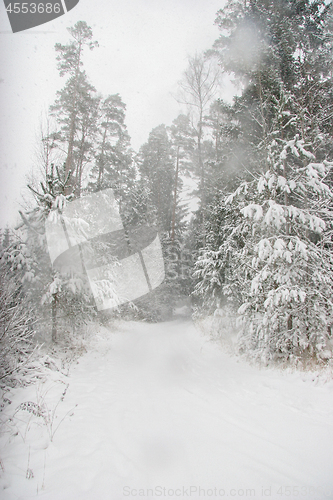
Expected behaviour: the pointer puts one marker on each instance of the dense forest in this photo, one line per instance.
(259, 243)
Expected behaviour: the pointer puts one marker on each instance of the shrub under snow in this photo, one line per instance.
(15, 326)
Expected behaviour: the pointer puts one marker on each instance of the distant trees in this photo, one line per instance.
(156, 166)
(113, 156)
(197, 90)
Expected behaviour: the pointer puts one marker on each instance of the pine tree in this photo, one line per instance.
(85, 126)
(183, 142)
(197, 90)
(114, 165)
(72, 100)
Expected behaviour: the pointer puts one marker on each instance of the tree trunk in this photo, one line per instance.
(101, 165)
(54, 317)
(173, 222)
(202, 181)
(79, 168)
(69, 159)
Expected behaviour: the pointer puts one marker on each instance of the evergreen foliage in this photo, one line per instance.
(261, 237)
(61, 300)
(269, 242)
(113, 156)
(156, 167)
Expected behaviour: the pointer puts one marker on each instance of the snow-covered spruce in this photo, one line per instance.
(275, 261)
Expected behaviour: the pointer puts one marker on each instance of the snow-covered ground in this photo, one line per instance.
(160, 411)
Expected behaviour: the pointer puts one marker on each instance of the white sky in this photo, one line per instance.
(144, 45)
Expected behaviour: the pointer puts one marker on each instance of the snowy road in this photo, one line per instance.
(164, 413)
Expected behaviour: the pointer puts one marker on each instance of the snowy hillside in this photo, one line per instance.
(160, 411)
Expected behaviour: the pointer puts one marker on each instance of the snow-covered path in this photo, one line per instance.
(164, 413)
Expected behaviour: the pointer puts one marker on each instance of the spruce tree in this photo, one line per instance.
(156, 167)
(269, 244)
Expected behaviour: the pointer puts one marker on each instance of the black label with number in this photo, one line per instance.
(28, 14)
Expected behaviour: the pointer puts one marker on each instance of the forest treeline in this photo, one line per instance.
(260, 239)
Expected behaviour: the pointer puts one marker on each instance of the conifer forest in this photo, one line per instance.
(236, 196)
